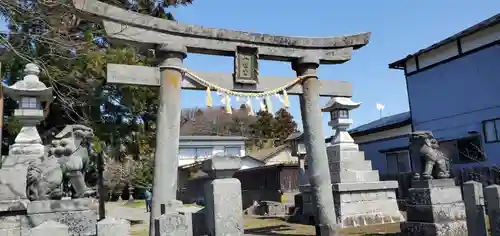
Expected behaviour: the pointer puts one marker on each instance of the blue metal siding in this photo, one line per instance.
(372, 151)
(453, 99)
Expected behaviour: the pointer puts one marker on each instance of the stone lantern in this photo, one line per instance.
(339, 109)
(298, 147)
(296, 142)
(29, 93)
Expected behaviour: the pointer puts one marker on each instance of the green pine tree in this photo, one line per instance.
(284, 126)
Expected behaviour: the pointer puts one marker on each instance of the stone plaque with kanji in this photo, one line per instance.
(246, 65)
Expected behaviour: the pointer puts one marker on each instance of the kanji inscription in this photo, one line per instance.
(246, 65)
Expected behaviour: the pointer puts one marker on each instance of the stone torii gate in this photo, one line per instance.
(173, 40)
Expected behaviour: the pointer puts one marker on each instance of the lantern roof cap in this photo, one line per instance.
(30, 85)
(340, 103)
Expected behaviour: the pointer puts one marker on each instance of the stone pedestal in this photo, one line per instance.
(179, 220)
(435, 208)
(113, 227)
(80, 215)
(360, 197)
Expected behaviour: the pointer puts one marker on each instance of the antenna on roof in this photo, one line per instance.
(380, 108)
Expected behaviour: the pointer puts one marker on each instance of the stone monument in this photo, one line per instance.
(434, 205)
(360, 197)
(173, 40)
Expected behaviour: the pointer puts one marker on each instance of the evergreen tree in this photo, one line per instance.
(72, 53)
(263, 129)
(284, 126)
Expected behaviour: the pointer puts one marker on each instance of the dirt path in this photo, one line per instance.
(138, 217)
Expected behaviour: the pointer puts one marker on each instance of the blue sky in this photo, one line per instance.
(398, 28)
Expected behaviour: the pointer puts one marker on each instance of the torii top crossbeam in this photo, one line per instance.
(148, 31)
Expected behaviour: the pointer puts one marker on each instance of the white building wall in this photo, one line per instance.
(215, 150)
(467, 43)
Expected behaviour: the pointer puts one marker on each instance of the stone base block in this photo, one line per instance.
(354, 176)
(10, 225)
(436, 213)
(10, 232)
(366, 207)
(431, 196)
(69, 205)
(337, 154)
(356, 205)
(452, 228)
(13, 183)
(14, 205)
(80, 215)
(376, 218)
(433, 183)
(80, 223)
(350, 166)
(371, 212)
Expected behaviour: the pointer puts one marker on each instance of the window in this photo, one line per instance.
(465, 150)
(398, 162)
(195, 153)
(187, 153)
(233, 151)
(340, 113)
(470, 150)
(491, 129)
(29, 103)
(204, 152)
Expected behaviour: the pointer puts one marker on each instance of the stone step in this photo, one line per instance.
(366, 196)
(375, 218)
(334, 155)
(366, 207)
(350, 166)
(354, 176)
(365, 186)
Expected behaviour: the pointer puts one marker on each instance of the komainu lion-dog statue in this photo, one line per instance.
(68, 157)
(426, 147)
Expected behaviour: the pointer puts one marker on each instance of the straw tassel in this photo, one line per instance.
(209, 98)
(286, 103)
(229, 110)
(249, 107)
(262, 106)
(269, 105)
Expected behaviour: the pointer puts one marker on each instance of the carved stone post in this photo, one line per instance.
(223, 210)
(474, 208)
(492, 196)
(167, 128)
(315, 145)
(302, 170)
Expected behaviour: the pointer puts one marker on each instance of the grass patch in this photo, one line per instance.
(139, 233)
(279, 227)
